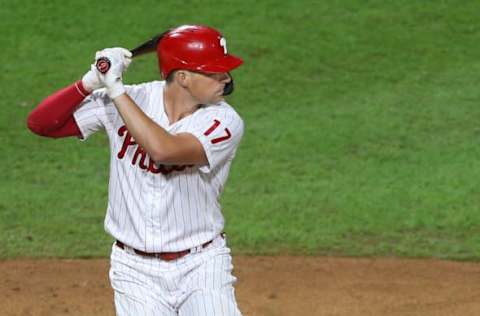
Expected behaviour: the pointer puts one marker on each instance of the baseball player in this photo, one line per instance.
(172, 143)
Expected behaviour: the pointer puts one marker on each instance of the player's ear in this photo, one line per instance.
(182, 78)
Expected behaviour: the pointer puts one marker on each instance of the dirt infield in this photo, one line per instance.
(267, 286)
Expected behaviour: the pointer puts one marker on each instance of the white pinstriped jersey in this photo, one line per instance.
(163, 208)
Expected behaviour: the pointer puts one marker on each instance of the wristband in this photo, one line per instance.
(81, 89)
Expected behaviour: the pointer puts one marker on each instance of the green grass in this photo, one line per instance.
(362, 135)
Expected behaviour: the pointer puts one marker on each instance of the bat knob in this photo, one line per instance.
(103, 64)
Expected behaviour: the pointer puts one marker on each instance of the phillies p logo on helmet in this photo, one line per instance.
(223, 43)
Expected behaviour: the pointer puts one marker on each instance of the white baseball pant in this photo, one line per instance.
(198, 284)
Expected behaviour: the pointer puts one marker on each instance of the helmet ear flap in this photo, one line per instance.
(228, 89)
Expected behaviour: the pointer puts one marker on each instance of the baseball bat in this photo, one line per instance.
(103, 64)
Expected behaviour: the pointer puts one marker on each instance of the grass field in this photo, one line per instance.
(361, 124)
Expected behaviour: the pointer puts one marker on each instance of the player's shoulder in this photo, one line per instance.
(145, 87)
(146, 94)
(221, 109)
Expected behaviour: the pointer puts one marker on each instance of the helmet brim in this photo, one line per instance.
(225, 64)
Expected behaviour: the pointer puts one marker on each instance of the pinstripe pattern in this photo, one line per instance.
(199, 284)
(164, 211)
(158, 208)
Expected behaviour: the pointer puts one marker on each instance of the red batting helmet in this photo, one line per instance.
(195, 48)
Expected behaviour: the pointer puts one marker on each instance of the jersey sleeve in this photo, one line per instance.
(90, 112)
(220, 133)
(98, 112)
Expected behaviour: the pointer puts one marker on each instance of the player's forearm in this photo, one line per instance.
(155, 140)
(56, 110)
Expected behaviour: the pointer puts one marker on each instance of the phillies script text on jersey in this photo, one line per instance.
(141, 156)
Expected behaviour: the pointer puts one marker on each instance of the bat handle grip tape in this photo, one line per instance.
(103, 64)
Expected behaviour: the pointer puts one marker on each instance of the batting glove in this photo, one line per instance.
(91, 81)
(120, 59)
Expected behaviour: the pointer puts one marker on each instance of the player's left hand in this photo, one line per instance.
(120, 59)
